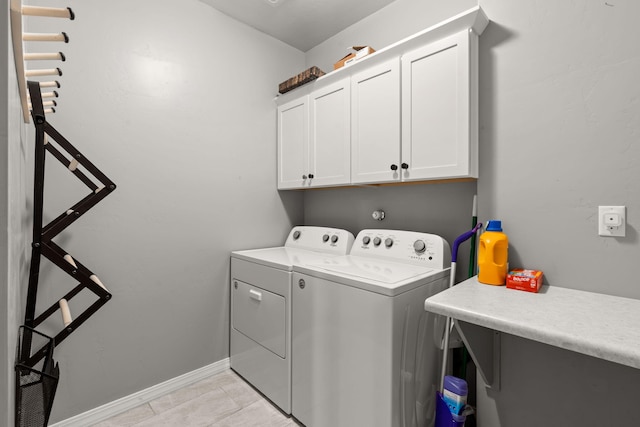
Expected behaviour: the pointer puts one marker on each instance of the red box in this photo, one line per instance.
(525, 280)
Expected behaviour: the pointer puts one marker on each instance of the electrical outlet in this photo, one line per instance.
(612, 221)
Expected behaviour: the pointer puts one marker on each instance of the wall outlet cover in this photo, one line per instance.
(612, 221)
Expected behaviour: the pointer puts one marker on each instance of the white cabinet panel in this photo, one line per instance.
(437, 139)
(293, 142)
(375, 127)
(329, 140)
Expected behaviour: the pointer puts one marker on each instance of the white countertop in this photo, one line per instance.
(598, 325)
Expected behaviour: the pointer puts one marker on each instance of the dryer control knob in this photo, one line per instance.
(301, 283)
(388, 242)
(377, 241)
(366, 240)
(419, 246)
(296, 235)
(325, 238)
(334, 238)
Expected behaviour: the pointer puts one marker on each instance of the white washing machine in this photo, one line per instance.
(260, 330)
(365, 352)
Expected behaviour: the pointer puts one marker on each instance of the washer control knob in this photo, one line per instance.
(325, 238)
(296, 235)
(419, 246)
(301, 283)
(366, 240)
(377, 241)
(388, 242)
(334, 238)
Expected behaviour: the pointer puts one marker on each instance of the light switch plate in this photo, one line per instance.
(612, 221)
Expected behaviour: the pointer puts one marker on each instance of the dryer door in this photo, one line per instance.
(260, 315)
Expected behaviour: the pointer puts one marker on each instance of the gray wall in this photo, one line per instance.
(174, 102)
(559, 126)
(15, 225)
(558, 121)
(443, 209)
(398, 20)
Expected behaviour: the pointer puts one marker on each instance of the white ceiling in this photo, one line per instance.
(302, 24)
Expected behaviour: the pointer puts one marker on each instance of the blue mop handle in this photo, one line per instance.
(461, 239)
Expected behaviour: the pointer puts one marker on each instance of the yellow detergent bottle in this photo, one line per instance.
(493, 253)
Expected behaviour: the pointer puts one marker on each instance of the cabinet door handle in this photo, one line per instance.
(405, 166)
(394, 167)
(304, 176)
(310, 176)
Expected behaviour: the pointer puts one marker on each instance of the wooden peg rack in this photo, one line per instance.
(21, 57)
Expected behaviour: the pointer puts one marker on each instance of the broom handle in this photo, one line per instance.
(472, 251)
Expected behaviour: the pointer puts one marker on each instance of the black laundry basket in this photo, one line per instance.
(36, 378)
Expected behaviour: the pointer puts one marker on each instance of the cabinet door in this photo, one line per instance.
(293, 142)
(330, 136)
(439, 111)
(375, 124)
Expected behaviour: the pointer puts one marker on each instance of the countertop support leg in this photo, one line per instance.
(484, 347)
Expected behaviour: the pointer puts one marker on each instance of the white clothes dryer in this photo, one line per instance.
(260, 329)
(365, 352)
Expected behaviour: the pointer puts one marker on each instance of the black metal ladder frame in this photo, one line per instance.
(43, 244)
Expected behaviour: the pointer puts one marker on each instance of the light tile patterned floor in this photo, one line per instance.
(223, 400)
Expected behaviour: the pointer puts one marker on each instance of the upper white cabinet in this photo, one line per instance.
(330, 126)
(293, 144)
(439, 110)
(314, 138)
(375, 127)
(408, 112)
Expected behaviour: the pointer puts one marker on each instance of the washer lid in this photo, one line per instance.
(366, 268)
(280, 257)
(380, 276)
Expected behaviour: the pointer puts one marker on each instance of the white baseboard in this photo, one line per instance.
(123, 404)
